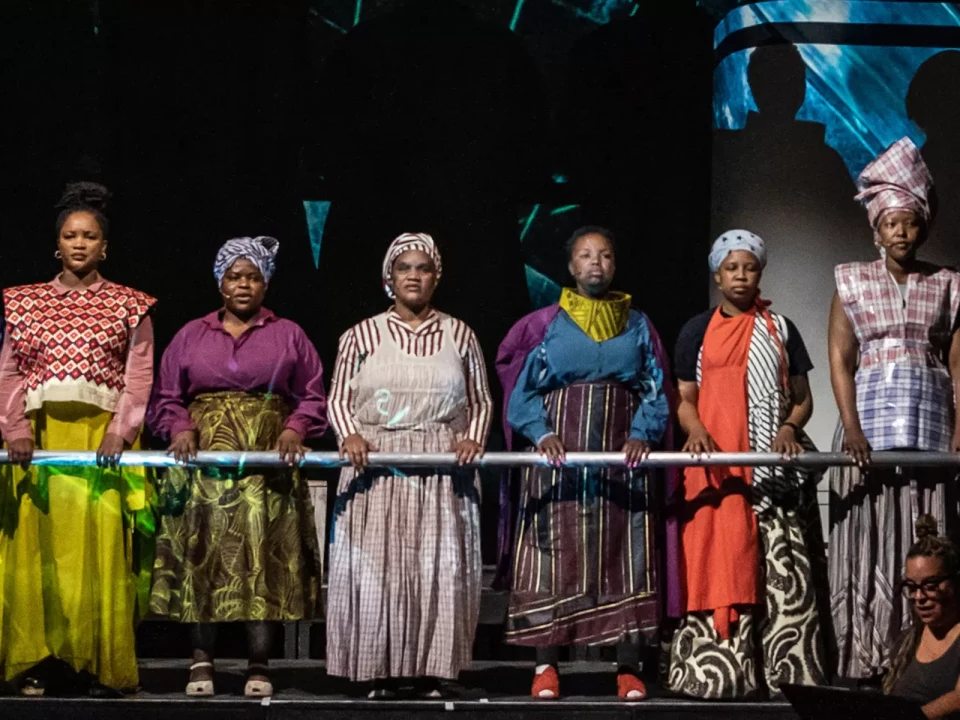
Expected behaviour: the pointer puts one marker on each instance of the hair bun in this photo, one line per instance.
(84, 195)
(925, 526)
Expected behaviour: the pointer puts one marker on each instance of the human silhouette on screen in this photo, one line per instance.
(933, 103)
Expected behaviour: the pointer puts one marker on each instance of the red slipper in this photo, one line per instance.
(630, 687)
(546, 685)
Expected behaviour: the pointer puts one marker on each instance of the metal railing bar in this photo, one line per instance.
(160, 459)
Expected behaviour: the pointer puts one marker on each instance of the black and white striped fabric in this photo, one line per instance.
(767, 406)
(779, 642)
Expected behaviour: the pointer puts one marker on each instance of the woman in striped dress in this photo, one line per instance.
(585, 561)
(751, 543)
(405, 567)
(895, 365)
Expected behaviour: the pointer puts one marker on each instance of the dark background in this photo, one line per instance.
(210, 120)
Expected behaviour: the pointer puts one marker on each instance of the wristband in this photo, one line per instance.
(796, 428)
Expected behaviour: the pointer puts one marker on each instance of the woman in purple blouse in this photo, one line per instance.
(237, 545)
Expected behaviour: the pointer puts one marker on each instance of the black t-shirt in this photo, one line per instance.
(691, 340)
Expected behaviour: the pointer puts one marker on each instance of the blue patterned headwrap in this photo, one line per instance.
(737, 240)
(261, 251)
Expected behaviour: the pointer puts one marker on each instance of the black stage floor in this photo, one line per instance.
(303, 690)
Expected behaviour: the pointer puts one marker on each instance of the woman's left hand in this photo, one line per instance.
(467, 451)
(785, 443)
(291, 447)
(110, 450)
(955, 443)
(635, 451)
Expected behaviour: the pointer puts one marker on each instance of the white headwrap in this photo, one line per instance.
(403, 243)
(737, 240)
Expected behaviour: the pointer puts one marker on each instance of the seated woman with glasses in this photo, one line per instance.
(926, 661)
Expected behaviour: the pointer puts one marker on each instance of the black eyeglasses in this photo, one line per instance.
(928, 588)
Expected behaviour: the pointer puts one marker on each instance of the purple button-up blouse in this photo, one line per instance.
(274, 355)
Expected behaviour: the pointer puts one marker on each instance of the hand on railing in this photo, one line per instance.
(183, 447)
(291, 447)
(786, 443)
(21, 452)
(699, 442)
(553, 449)
(110, 450)
(356, 450)
(467, 451)
(856, 445)
(635, 451)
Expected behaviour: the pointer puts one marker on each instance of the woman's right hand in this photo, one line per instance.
(357, 450)
(183, 447)
(20, 452)
(553, 449)
(699, 442)
(856, 445)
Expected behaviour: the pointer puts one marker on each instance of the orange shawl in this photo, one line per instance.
(719, 536)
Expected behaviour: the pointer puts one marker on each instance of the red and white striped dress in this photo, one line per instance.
(405, 567)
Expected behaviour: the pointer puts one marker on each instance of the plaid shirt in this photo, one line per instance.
(904, 391)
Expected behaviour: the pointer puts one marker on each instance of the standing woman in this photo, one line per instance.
(585, 563)
(895, 368)
(237, 545)
(405, 567)
(751, 537)
(75, 374)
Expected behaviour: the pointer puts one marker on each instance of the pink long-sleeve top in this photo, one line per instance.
(131, 405)
(273, 355)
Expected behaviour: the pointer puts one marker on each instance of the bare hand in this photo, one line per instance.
(553, 449)
(356, 450)
(699, 442)
(856, 445)
(21, 451)
(110, 450)
(785, 443)
(291, 448)
(183, 447)
(635, 451)
(467, 451)
(955, 444)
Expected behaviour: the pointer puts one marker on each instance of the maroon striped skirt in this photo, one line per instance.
(585, 563)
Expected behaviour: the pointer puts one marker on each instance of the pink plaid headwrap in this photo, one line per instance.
(403, 243)
(897, 180)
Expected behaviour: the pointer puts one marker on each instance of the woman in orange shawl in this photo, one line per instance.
(751, 619)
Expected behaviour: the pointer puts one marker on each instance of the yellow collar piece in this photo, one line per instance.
(599, 319)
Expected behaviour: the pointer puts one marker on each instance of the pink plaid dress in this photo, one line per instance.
(904, 391)
(905, 400)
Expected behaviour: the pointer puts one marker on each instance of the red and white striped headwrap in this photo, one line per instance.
(897, 180)
(403, 243)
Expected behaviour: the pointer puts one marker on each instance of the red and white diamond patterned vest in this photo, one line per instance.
(72, 347)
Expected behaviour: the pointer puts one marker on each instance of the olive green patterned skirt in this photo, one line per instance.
(233, 545)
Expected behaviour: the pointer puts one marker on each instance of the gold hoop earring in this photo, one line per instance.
(103, 256)
(58, 255)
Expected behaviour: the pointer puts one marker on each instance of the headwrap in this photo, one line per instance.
(261, 251)
(403, 243)
(897, 180)
(733, 240)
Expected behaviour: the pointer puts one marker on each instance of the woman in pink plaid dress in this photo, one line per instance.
(405, 567)
(895, 366)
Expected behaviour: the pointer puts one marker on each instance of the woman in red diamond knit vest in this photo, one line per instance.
(76, 370)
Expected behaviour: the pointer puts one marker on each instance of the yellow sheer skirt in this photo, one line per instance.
(75, 554)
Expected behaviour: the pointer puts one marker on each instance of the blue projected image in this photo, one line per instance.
(316, 212)
(858, 92)
(542, 227)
